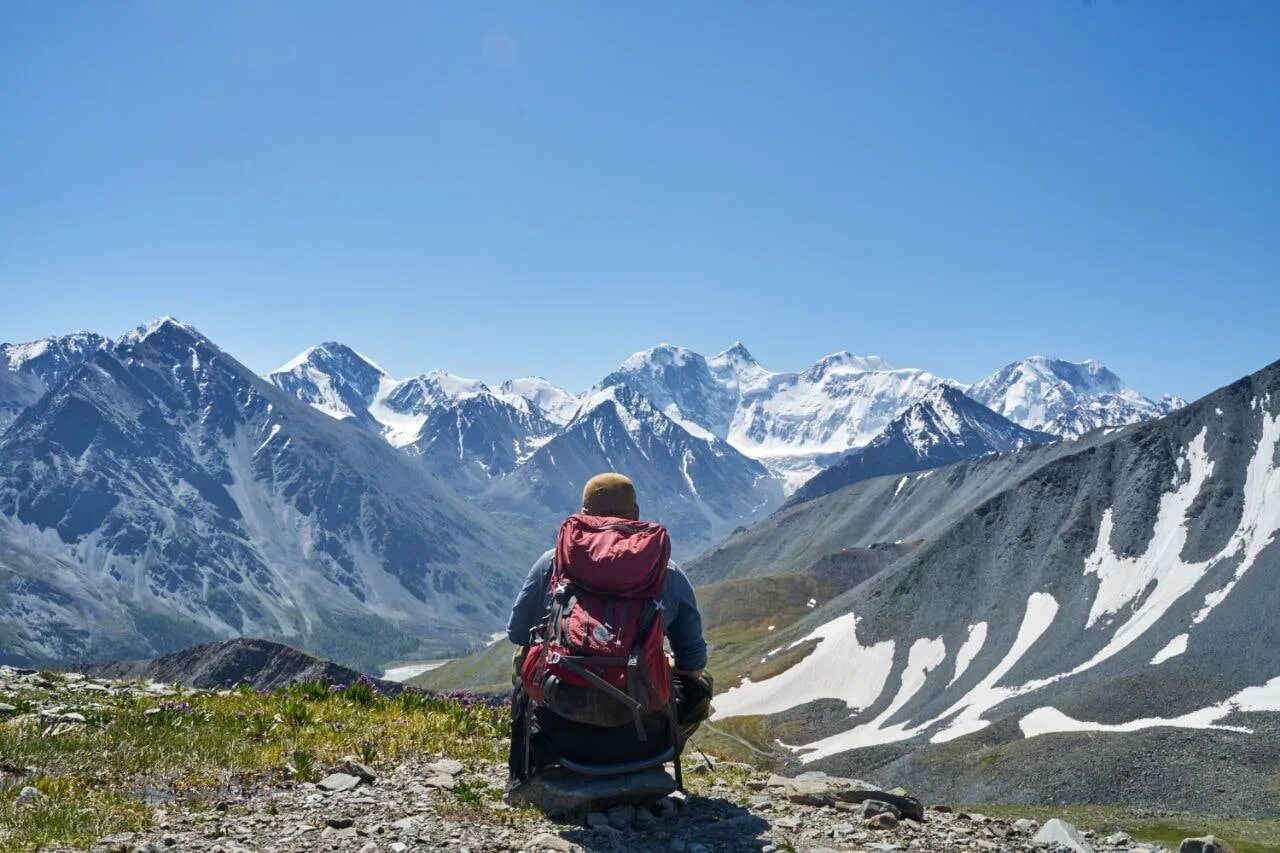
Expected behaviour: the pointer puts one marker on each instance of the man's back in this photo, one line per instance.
(680, 614)
(580, 659)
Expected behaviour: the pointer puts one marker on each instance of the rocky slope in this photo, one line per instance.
(162, 493)
(28, 371)
(262, 664)
(945, 427)
(1112, 590)
(397, 796)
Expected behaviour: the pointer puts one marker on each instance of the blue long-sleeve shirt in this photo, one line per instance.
(680, 614)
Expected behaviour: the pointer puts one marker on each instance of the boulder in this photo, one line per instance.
(446, 767)
(547, 841)
(871, 808)
(338, 782)
(1207, 844)
(30, 796)
(351, 766)
(818, 789)
(558, 792)
(1063, 834)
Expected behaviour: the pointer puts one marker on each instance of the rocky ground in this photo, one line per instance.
(102, 763)
(415, 806)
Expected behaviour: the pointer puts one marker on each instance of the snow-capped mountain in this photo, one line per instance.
(28, 371)
(945, 427)
(1066, 398)
(697, 485)
(458, 428)
(163, 494)
(556, 403)
(1068, 611)
(335, 379)
(795, 423)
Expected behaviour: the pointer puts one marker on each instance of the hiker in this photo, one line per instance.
(593, 681)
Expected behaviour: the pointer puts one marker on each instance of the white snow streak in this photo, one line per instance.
(1175, 647)
(838, 668)
(969, 650)
(1264, 697)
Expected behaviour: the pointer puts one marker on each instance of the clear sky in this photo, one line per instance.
(503, 189)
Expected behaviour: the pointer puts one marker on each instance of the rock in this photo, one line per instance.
(371, 847)
(447, 767)
(884, 820)
(30, 796)
(6, 708)
(871, 808)
(815, 788)
(1025, 825)
(547, 841)
(441, 780)
(340, 822)
(644, 817)
(351, 766)
(1206, 844)
(338, 782)
(1119, 839)
(398, 847)
(597, 819)
(558, 792)
(622, 815)
(1062, 833)
(840, 830)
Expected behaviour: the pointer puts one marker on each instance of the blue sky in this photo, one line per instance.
(503, 189)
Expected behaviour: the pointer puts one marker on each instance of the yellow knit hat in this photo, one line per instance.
(609, 495)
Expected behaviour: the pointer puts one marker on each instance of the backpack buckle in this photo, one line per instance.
(554, 657)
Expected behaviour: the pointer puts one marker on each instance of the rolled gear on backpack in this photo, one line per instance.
(598, 657)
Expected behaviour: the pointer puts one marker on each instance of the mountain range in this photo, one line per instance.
(161, 494)
(154, 491)
(944, 427)
(713, 443)
(1064, 611)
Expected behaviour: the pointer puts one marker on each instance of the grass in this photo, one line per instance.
(196, 745)
(1244, 835)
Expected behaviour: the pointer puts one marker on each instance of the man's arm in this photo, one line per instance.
(531, 601)
(684, 624)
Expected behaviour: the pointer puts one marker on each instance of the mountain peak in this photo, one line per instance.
(738, 352)
(328, 355)
(161, 324)
(663, 355)
(845, 361)
(454, 386)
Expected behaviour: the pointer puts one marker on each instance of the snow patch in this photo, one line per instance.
(1175, 647)
(839, 668)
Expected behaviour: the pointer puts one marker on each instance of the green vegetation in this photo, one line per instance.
(1246, 836)
(485, 671)
(191, 744)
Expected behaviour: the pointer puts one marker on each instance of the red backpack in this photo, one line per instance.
(598, 656)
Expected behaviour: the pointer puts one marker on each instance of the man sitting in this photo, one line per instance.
(593, 681)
